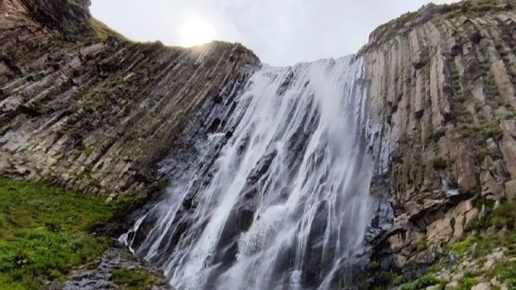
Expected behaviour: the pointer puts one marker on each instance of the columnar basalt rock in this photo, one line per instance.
(85, 108)
(443, 79)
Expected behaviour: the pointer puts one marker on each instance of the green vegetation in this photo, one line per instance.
(131, 279)
(506, 272)
(462, 247)
(505, 216)
(502, 217)
(102, 31)
(466, 283)
(422, 245)
(43, 232)
(398, 280)
(85, 33)
(421, 283)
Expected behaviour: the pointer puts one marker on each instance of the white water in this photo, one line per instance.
(287, 201)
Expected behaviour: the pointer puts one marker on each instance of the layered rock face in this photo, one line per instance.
(85, 108)
(443, 79)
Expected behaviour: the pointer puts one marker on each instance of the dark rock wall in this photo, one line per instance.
(444, 81)
(85, 108)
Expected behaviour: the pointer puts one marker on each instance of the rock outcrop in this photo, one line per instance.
(444, 78)
(87, 109)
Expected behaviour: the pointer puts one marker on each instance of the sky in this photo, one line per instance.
(280, 32)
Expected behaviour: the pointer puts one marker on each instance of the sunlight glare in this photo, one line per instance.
(196, 32)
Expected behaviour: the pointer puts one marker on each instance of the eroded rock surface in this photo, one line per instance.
(99, 273)
(85, 108)
(443, 78)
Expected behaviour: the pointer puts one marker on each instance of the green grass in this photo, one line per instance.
(422, 244)
(131, 279)
(422, 282)
(466, 283)
(506, 272)
(44, 232)
(102, 31)
(462, 247)
(505, 216)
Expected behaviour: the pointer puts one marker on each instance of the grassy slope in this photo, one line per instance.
(503, 220)
(43, 232)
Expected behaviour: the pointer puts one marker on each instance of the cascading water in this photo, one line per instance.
(279, 202)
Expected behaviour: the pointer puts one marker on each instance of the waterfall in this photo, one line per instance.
(279, 201)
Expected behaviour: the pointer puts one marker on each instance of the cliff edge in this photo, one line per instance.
(443, 79)
(87, 109)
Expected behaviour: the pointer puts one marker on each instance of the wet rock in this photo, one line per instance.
(314, 267)
(99, 277)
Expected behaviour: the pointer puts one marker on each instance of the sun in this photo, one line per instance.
(195, 31)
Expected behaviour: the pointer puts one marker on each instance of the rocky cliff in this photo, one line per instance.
(443, 79)
(87, 109)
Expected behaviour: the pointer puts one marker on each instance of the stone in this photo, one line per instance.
(482, 286)
(412, 208)
(492, 147)
(453, 257)
(444, 274)
(508, 148)
(487, 163)
(470, 254)
(493, 259)
(510, 189)
(490, 186)
(465, 166)
(100, 277)
(498, 284)
(452, 285)
(449, 60)
(457, 276)
(499, 170)
(464, 215)
(471, 218)
(421, 98)
(440, 230)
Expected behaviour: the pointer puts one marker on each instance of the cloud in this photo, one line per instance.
(279, 32)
